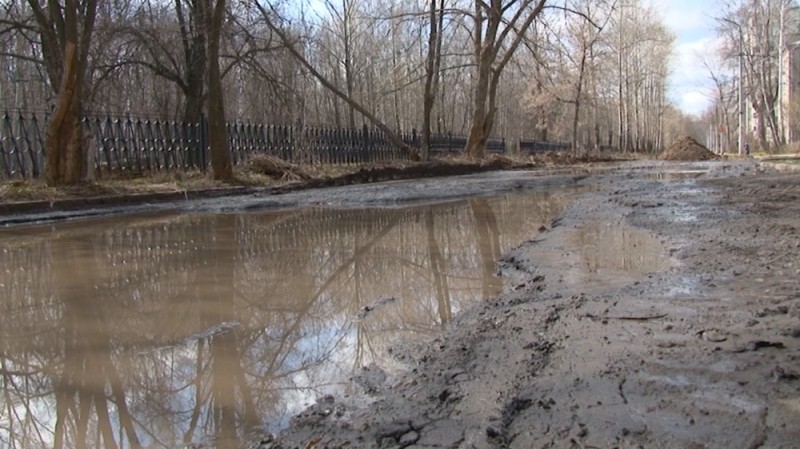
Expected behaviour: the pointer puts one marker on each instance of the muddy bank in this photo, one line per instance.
(680, 329)
(29, 202)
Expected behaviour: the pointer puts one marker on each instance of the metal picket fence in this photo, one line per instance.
(531, 146)
(125, 144)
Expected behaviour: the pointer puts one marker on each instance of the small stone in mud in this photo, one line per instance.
(409, 438)
(446, 433)
(387, 443)
(393, 430)
(711, 335)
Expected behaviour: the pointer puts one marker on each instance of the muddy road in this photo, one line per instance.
(690, 339)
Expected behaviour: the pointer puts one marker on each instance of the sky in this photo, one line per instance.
(693, 23)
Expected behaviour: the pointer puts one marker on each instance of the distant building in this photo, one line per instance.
(789, 82)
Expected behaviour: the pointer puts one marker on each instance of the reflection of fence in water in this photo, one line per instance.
(150, 266)
(160, 261)
(28, 297)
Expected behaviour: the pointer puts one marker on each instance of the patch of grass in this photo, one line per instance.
(29, 190)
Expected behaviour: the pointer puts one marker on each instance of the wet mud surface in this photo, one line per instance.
(93, 200)
(655, 312)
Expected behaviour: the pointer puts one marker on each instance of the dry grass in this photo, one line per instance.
(36, 190)
(14, 191)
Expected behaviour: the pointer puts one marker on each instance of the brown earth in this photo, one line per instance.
(654, 313)
(265, 174)
(686, 149)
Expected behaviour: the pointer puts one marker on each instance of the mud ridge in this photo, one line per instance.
(700, 352)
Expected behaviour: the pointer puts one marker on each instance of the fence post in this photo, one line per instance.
(365, 140)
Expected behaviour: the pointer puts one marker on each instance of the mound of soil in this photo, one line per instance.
(278, 168)
(687, 149)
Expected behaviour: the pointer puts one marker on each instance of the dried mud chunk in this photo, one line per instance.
(794, 333)
(780, 373)
(755, 345)
(712, 335)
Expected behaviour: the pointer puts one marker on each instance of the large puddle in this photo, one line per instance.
(174, 330)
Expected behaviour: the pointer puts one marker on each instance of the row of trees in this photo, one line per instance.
(765, 35)
(589, 72)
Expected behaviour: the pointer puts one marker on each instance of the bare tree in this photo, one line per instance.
(753, 28)
(583, 36)
(173, 50)
(290, 45)
(432, 68)
(491, 29)
(724, 106)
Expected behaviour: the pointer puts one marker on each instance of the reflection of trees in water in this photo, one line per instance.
(603, 247)
(173, 330)
(488, 238)
(437, 268)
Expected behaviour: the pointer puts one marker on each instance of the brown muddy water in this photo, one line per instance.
(173, 330)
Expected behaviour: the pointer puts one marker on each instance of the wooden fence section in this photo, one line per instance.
(138, 145)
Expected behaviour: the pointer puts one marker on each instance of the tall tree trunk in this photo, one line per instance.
(64, 147)
(431, 76)
(194, 53)
(348, 68)
(221, 165)
(66, 35)
(578, 92)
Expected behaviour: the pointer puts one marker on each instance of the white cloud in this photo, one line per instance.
(683, 15)
(691, 83)
(693, 24)
(694, 102)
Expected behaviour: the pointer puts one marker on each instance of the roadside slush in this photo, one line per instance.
(700, 347)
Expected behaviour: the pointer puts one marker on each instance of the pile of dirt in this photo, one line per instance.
(278, 168)
(687, 149)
